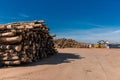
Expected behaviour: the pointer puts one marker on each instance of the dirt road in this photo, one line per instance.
(70, 64)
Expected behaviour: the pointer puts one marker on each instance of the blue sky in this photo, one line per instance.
(83, 20)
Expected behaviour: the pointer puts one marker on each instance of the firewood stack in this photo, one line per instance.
(22, 42)
(69, 43)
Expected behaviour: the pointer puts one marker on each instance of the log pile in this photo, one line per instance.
(22, 42)
(69, 43)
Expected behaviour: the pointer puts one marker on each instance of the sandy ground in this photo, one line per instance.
(70, 64)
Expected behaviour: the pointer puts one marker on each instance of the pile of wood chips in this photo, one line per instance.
(22, 42)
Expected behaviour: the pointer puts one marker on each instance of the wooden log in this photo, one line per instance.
(2, 27)
(11, 40)
(13, 47)
(15, 27)
(9, 58)
(9, 26)
(4, 54)
(9, 51)
(17, 48)
(33, 26)
(16, 31)
(7, 34)
(1, 53)
(37, 25)
(26, 47)
(24, 58)
(16, 62)
(19, 27)
(4, 47)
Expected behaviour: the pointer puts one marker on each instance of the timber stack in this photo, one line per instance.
(69, 43)
(22, 42)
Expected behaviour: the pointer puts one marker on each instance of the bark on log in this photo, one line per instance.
(11, 40)
(16, 62)
(7, 34)
(13, 47)
(9, 58)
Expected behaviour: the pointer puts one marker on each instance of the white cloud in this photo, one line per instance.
(23, 15)
(92, 35)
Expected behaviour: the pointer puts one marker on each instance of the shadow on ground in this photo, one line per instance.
(56, 59)
(53, 60)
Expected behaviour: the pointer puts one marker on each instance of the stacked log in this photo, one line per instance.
(69, 43)
(22, 42)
